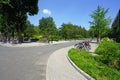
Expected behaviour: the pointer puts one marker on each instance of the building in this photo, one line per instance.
(116, 24)
(115, 33)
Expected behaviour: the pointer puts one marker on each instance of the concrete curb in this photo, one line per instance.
(79, 70)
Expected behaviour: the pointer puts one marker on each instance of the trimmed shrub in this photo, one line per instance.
(109, 52)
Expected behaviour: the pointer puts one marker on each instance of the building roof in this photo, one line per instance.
(116, 21)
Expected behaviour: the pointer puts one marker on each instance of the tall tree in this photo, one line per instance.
(47, 27)
(15, 12)
(100, 22)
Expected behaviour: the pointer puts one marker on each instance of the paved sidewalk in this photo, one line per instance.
(93, 47)
(59, 68)
(31, 44)
(23, 44)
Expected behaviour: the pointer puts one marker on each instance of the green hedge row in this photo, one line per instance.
(109, 53)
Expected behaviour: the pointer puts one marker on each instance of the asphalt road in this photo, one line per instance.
(26, 63)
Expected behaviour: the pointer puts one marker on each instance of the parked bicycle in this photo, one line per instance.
(83, 45)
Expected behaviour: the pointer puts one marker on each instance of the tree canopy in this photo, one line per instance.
(15, 13)
(100, 24)
(47, 27)
(70, 31)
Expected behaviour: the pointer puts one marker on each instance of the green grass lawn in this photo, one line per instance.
(90, 65)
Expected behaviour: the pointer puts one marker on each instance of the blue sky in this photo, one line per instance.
(74, 11)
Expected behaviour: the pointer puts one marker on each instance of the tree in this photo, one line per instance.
(47, 27)
(15, 12)
(66, 30)
(4, 28)
(29, 30)
(1, 28)
(70, 31)
(37, 32)
(92, 31)
(100, 22)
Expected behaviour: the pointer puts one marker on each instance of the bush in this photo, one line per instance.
(90, 65)
(109, 52)
(54, 38)
(118, 45)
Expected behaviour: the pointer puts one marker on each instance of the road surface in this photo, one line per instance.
(28, 63)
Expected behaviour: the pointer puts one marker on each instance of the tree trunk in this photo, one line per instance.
(12, 37)
(0, 37)
(98, 38)
(20, 39)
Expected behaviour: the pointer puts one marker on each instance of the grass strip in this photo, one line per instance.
(91, 66)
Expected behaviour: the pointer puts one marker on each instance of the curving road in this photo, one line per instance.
(26, 63)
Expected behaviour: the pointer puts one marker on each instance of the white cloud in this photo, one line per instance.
(46, 11)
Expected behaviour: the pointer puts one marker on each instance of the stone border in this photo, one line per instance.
(79, 70)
